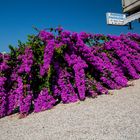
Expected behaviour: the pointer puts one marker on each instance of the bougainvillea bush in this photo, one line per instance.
(59, 66)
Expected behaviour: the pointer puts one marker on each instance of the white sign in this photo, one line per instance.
(115, 18)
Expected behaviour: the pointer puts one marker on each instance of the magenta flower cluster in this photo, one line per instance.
(26, 60)
(48, 54)
(62, 66)
(44, 101)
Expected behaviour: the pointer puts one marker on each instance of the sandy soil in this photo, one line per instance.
(107, 117)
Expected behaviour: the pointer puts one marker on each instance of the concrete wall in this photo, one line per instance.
(131, 6)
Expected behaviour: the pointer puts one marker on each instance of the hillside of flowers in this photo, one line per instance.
(58, 66)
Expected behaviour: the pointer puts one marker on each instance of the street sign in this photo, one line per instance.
(115, 18)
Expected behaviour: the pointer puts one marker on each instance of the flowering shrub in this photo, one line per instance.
(63, 66)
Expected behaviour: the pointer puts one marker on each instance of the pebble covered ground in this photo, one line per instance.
(107, 117)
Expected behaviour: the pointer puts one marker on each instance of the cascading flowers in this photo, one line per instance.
(62, 66)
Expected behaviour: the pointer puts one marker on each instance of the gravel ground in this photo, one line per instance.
(108, 117)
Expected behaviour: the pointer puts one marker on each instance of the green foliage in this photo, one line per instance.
(60, 51)
(37, 47)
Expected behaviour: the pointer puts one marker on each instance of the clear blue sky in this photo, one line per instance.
(18, 16)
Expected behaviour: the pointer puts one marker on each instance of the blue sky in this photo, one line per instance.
(18, 16)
